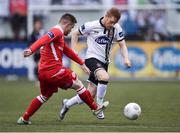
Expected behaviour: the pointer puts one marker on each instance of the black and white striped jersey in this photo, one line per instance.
(99, 39)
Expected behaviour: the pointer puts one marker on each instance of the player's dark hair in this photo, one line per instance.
(68, 17)
(114, 12)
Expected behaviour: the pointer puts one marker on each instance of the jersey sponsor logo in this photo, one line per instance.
(121, 34)
(82, 27)
(50, 34)
(102, 40)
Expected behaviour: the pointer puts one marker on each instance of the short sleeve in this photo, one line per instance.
(86, 28)
(119, 33)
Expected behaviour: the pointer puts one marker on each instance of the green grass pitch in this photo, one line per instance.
(160, 103)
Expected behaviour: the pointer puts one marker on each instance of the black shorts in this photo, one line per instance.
(94, 64)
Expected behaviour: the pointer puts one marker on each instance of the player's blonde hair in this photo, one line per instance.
(114, 12)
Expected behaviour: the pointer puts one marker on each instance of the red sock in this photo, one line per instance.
(33, 107)
(85, 95)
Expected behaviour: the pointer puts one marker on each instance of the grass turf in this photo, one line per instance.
(160, 103)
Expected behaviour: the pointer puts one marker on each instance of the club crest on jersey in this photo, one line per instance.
(50, 34)
(102, 40)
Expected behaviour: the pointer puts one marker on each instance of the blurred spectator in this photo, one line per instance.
(142, 24)
(145, 22)
(4, 6)
(157, 1)
(4, 17)
(133, 12)
(36, 34)
(39, 13)
(178, 3)
(148, 25)
(18, 12)
(159, 26)
(120, 2)
(131, 28)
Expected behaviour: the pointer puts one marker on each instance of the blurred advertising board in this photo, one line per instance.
(12, 61)
(149, 59)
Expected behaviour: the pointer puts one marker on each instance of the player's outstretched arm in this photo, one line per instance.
(72, 55)
(46, 39)
(36, 45)
(124, 53)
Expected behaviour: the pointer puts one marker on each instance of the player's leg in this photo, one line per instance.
(85, 95)
(77, 100)
(68, 103)
(103, 79)
(32, 108)
(36, 103)
(99, 77)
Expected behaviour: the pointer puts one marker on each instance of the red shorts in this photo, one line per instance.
(53, 79)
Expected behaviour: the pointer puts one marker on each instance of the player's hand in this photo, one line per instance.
(127, 63)
(85, 69)
(27, 52)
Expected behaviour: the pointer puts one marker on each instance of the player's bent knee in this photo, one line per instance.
(77, 84)
(104, 77)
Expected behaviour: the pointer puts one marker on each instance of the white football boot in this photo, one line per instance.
(100, 115)
(21, 121)
(99, 111)
(64, 109)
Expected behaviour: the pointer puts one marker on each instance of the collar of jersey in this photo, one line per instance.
(59, 27)
(100, 21)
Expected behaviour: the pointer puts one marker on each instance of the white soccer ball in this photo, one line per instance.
(132, 111)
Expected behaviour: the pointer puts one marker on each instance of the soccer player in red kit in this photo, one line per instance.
(52, 73)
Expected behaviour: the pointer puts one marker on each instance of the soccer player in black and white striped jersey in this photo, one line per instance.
(100, 36)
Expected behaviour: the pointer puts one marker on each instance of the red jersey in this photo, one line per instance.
(52, 49)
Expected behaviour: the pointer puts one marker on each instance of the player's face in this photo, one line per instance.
(68, 28)
(110, 21)
(38, 25)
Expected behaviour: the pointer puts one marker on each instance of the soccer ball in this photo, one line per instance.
(132, 111)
